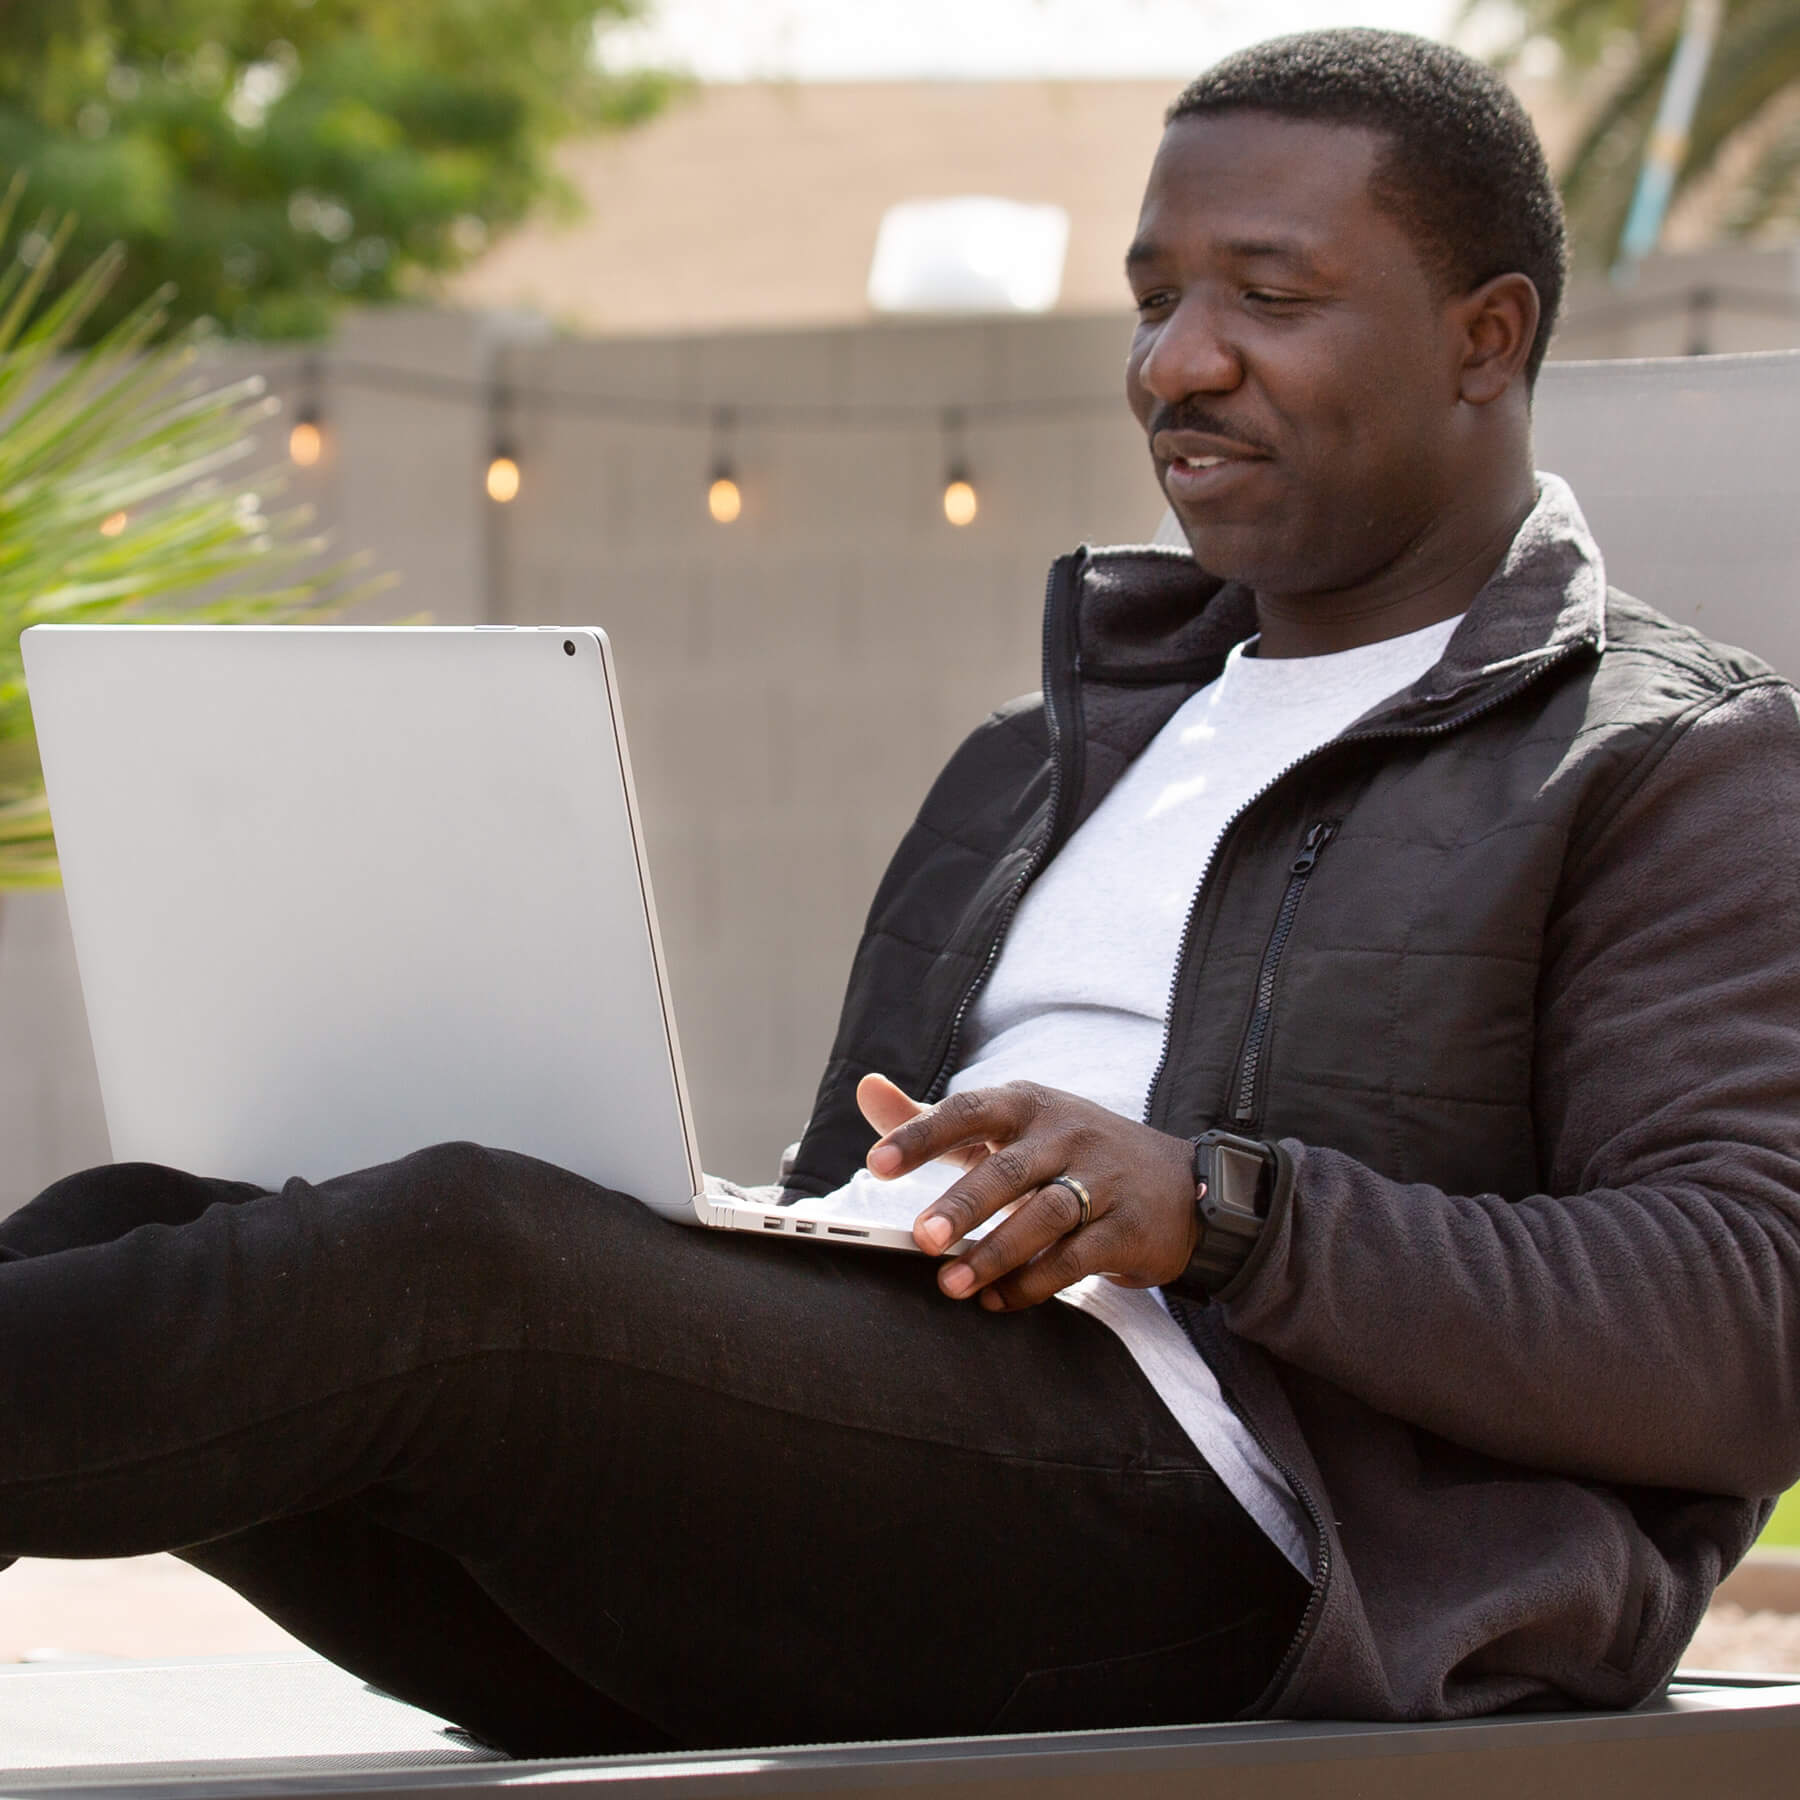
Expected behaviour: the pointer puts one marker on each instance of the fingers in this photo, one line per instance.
(1011, 1171)
(977, 1117)
(1015, 1140)
(1048, 1215)
(887, 1106)
(1070, 1259)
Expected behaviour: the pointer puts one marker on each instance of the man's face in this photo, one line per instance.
(1295, 366)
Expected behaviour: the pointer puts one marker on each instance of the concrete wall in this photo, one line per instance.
(793, 681)
(1714, 302)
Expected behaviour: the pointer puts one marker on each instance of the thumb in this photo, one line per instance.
(884, 1105)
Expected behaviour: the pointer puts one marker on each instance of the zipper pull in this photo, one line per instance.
(1316, 840)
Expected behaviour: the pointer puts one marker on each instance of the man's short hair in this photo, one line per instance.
(1464, 172)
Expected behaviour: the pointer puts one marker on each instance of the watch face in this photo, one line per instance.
(1239, 1174)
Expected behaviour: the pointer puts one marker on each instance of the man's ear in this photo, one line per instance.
(1499, 322)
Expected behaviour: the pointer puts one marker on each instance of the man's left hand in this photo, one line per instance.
(1013, 1141)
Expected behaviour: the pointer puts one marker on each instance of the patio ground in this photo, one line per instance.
(144, 1606)
(154, 1606)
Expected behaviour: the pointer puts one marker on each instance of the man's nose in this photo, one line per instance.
(1191, 353)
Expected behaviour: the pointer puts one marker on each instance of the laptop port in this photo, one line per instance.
(771, 1224)
(805, 1225)
(845, 1231)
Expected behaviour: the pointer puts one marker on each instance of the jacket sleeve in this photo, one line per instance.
(1640, 1321)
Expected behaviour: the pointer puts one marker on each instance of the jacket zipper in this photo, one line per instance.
(1040, 851)
(1315, 1600)
(1309, 1618)
(1296, 886)
(1442, 728)
(1034, 863)
(1299, 871)
(1187, 926)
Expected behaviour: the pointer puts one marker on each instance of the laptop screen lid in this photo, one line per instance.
(338, 893)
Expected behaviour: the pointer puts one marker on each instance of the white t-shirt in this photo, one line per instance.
(1079, 997)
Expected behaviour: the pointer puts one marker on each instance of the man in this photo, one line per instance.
(1438, 891)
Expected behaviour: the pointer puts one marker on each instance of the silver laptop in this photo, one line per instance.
(340, 893)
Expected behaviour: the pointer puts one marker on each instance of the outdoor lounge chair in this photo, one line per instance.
(1690, 474)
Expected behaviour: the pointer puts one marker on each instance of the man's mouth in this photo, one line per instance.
(1195, 462)
(1194, 473)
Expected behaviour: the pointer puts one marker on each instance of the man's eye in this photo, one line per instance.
(1263, 297)
(1156, 301)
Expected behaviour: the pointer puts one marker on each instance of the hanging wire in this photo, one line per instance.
(771, 415)
(724, 498)
(306, 438)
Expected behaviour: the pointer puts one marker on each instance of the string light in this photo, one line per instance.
(961, 500)
(961, 503)
(114, 523)
(306, 443)
(503, 476)
(724, 498)
(306, 440)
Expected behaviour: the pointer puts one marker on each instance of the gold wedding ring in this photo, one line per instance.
(1078, 1188)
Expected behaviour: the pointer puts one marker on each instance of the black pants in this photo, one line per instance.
(512, 1447)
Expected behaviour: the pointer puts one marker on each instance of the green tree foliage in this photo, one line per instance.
(1620, 51)
(271, 158)
(122, 497)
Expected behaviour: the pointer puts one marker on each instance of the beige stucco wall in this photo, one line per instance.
(755, 205)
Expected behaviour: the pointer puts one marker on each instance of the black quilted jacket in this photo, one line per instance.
(1524, 1326)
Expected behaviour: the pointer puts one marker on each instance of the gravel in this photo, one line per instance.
(1730, 1638)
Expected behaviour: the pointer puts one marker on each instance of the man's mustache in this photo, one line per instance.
(1186, 416)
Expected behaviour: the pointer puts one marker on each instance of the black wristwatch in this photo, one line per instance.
(1234, 1178)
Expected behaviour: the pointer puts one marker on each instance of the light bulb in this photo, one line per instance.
(306, 443)
(114, 523)
(724, 500)
(960, 503)
(503, 480)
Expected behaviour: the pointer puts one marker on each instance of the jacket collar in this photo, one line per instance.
(1151, 615)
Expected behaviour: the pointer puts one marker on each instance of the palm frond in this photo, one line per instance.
(1771, 190)
(1601, 172)
(121, 499)
(1755, 63)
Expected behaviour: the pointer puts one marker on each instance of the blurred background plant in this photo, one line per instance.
(274, 158)
(116, 501)
(1745, 134)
